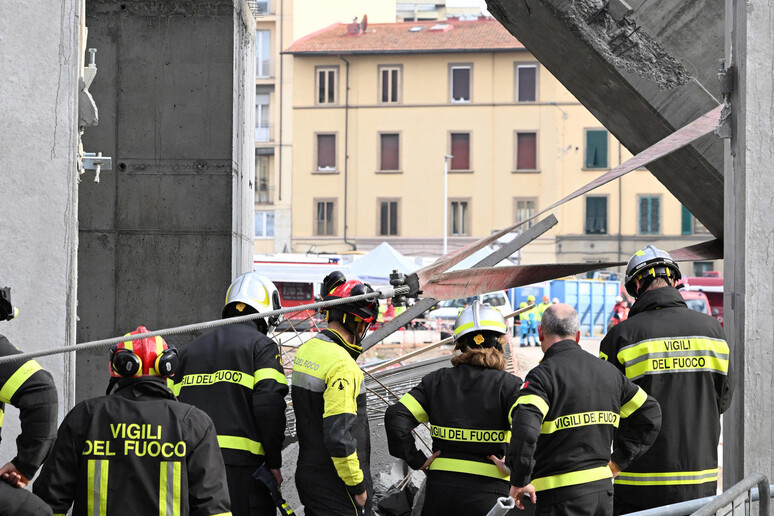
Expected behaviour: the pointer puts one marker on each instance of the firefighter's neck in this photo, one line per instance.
(339, 328)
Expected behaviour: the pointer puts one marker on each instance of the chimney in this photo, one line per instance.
(354, 28)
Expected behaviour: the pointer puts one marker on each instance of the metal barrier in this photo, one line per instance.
(713, 504)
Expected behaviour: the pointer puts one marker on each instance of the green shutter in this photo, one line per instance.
(596, 149)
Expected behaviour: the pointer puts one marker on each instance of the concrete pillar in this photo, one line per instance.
(749, 241)
(38, 209)
(164, 233)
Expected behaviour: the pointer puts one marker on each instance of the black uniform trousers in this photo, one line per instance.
(248, 498)
(445, 500)
(599, 503)
(21, 502)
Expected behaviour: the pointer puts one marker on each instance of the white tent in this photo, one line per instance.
(376, 266)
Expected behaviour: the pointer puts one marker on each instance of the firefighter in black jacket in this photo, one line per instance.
(565, 422)
(137, 451)
(681, 358)
(234, 374)
(30, 388)
(333, 474)
(468, 406)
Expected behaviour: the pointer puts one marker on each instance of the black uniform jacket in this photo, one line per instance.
(681, 358)
(234, 374)
(30, 388)
(135, 452)
(469, 410)
(570, 408)
(329, 400)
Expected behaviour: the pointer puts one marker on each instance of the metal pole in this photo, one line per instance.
(445, 200)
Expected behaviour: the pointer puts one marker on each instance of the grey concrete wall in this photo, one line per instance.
(165, 232)
(748, 440)
(38, 143)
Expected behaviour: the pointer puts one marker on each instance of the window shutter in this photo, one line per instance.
(383, 218)
(527, 76)
(460, 84)
(390, 152)
(393, 218)
(596, 149)
(326, 151)
(460, 149)
(526, 157)
(686, 221)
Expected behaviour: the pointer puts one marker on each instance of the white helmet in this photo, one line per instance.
(478, 318)
(257, 292)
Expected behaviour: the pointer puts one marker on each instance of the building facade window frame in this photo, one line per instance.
(263, 68)
(459, 216)
(264, 224)
(262, 117)
(389, 206)
(452, 75)
(518, 167)
(263, 188)
(317, 168)
(596, 219)
(522, 210)
(392, 94)
(324, 217)
(380, 157)
(457, 162)
(595, 158)
(523, 97)
(326, 85)
(650, 225)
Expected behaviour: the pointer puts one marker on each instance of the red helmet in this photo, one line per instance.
(142, 357)
(367, 309)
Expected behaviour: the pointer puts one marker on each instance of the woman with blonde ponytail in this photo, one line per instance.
(468, 406)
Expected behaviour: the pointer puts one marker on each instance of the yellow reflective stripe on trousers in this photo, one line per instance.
(631, 406)
(414, 407)
(348, 469)
(672, 478)
(17, 379)
(468, 466)
(534, 400)
(225, 375)
(677, 365)
(268, 373)
(470, 435)
(572, 478)
(97, 487)
(597, 417)
(240, 443)
(169, 489)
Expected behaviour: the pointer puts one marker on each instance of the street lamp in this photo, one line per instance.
(445, 198)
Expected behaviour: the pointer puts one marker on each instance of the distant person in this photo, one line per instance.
(532, 320)
(572, 410)
(468, 406)
(555, 301)
(545, 303)
(681, 358)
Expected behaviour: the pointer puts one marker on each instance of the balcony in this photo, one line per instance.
(264, 70)
(264, 194)
(264, 134)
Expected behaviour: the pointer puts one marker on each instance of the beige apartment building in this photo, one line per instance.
(377, 112)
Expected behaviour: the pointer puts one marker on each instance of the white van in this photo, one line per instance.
(448, 310)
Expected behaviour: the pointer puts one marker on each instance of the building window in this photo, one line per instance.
(459, 212)
(263, 191)
(262, 118)
(700, 269)
(388, 217)
(691, 225)
(460, 83)
(389, 151)
(650, 215)
(263, 7)
(262, 54)
(524, 209)
(325, 218)
(460, 149)
(389, 84)
(596, 148)
(526, 83)
(327, 79)
(526, 151)
(264, 224)
(596, 215)
(326, 152)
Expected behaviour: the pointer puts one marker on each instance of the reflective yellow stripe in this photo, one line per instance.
(269, 373)
(17, 379)
(677, 365)
(348, 469)
(510, 413)
(470, 435)
(240, 443)
(222, 514)
(597, 417)
(672, 347)
(667, 478)
(468, 466)
(483, 324)
(163, 489)
(536, 401)
(176, 489)
(238, 377)
(169, 489)
(631, 406)
(97, 487)
(2, 416)
(414, 407)
(572, 478)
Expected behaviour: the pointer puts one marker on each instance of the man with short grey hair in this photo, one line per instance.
(565, 420)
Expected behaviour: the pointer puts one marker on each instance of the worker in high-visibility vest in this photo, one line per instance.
(528, 324)
(137, 451)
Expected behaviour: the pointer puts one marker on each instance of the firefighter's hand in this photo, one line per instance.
(518, 492)
(500, 463)
(13, 476)
(429, 461)
(614, 468)
(361, 498)
(277, 474)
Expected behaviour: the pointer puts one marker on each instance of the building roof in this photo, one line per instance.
(486, 35)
